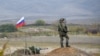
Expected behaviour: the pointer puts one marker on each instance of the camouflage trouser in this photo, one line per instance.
(62, 38)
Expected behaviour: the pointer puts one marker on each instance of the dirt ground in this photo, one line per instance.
(51, 44)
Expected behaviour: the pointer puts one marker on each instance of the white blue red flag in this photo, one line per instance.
(20, 23)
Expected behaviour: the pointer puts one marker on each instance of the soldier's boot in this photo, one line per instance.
(67, 43)
(61, 43)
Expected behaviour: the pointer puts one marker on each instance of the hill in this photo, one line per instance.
(69, 51)
(50, 20)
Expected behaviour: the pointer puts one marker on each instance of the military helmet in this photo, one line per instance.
(62, 19)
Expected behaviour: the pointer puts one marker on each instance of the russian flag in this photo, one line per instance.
(20, 23)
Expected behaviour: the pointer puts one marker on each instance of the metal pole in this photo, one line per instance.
(25, 40)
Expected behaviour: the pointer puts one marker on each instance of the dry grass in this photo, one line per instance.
(3, 49)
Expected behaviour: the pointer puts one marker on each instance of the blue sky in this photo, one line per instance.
(64, 8)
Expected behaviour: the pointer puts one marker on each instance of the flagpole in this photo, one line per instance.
(25, 45)
(19, 24)
(25, 42)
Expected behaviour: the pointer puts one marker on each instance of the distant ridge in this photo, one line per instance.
(50, 19)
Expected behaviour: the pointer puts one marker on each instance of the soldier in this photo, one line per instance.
(62, 29)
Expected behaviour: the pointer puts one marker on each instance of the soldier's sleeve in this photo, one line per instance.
(66, 28)
(58, 27)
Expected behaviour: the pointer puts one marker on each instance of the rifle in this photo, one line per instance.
(69, 31)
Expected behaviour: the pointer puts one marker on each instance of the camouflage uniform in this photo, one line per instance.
(62, 29)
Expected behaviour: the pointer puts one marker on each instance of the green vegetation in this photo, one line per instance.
(76, 29)
(7, 28)
(40, 23)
